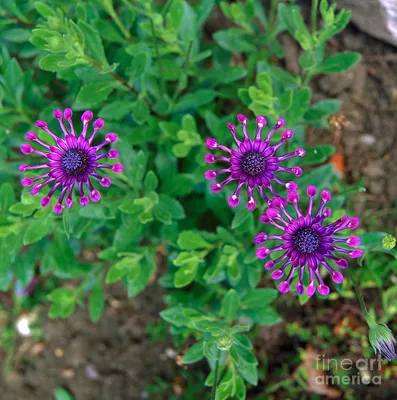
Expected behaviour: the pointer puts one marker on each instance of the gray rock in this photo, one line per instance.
(378, 18)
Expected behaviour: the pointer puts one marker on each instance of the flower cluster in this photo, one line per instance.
(254, 162)
(71, 161)
(307, 242)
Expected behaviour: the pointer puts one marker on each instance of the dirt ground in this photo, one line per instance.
(369, 141)
(115, 360)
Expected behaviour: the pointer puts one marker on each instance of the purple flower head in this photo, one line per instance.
(306, 242)
(71, 161)
(253, 163)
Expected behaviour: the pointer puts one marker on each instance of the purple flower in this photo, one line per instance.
(306, 241)
(73, 160)
(253, 163)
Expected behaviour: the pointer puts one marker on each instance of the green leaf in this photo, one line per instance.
(234, 40)
(338, 62)
(372, 241)
(230, 305)
(151, 182)
(7, 197)
(316, 155)
(14, 81)
(122, 268)
(185, 275)
(24, 209)
(323, 109)
(51, 62)
(139, 65)
(194, 354)
(246, 356)
(257, 298)
(241, 216)
(117, 110)
(282, 75)
(94, 93)
(43, 9)
(173, 206)
(66, 223)
(185, 258)
(93, 43)
(249, 372)
(300, 104)
(161, 213)
(64, 302)
(17, 35)
(234, 271)
(96, 303)
(140, 111)
(61, 393)
(139, 279)
(175, 316)
(188, 26)
(174, 15)
(195, 100)
(266, 316)
(36, 230)
(5, 261)
(189, 240)
(130, 207)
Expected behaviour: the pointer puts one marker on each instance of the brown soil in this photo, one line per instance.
(110, 360)
(369, 141)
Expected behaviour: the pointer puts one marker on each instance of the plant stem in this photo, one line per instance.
(360, 297)
(156, 49)
(185, 73)
(215, 383)
(314, 15)
(126, 85)
(118, 22)
(272, 14)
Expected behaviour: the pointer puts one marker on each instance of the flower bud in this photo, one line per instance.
(388, 242)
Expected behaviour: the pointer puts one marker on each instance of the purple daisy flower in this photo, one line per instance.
(71, 161)
(254, 163)
(306, 241)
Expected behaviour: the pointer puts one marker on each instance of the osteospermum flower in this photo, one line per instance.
(71, 161)
(253, 163)
(307, 242)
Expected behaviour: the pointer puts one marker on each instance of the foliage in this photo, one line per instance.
(164, 85)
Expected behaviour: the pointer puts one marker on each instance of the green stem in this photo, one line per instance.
(125, 84)
(314, 15)
(360, 297)
(156, 49)
(215, 383)
(185, 73)
(118, 22)
(272, 14)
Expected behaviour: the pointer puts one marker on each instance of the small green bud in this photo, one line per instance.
(388, 242)
(157, 19)
(54, 23)
(55, 43)
(224, 343)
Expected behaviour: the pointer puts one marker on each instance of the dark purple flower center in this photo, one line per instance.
(74, 162)
(306, 240)
(253, 163)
